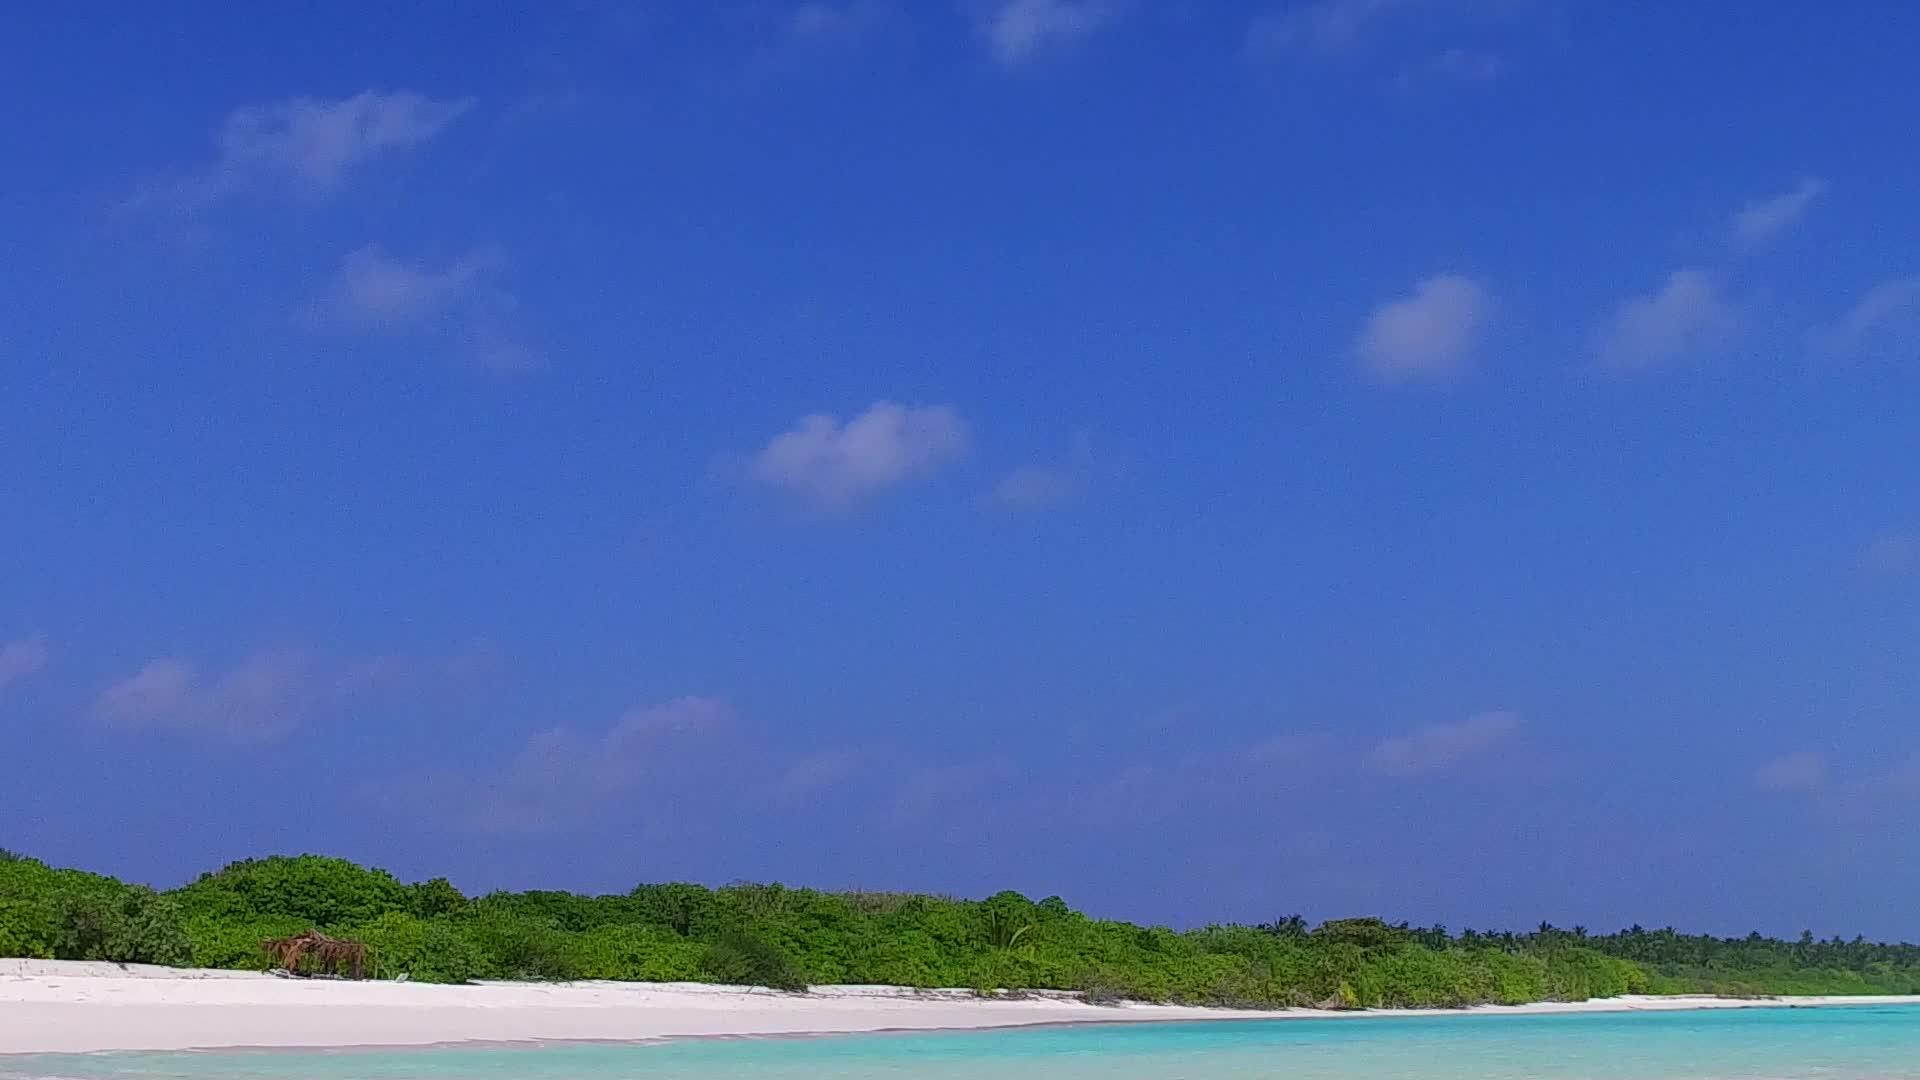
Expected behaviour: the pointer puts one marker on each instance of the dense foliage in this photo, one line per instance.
(75, 915)
(770, 935)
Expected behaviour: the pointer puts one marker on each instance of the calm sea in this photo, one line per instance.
(1846, 1043)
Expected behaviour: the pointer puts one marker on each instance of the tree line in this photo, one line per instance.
(791, 938)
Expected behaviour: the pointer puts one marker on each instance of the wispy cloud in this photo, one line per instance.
(22, 658)
(1176, 784)
(810, 33)
(835, 466)
(1883, 323)
(1687, 314)
(817, 772)
(819, 22)
(1325, 26)
(1889, 790)
(1762, 221)
(1015, 31)
(927, 790)
(1456, 66)
(1895, 553)
(259, 700)
(310, 144)
(564, 778)
(374, 291)
(1042, 486)
(268, 695)
(1440, 748)
(1330, 30)
(1793, 772)
(1429, 335)
(1034, 487)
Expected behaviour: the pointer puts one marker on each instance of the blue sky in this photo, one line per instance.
(1451, 459)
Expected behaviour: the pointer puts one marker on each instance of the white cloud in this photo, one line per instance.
(927, 790)
(1763, 220)
(376, 292)
(1035, 487)
(1325, 26)
(817, 31)
(1016, 30)
(1442, 747)
(835, 466)
(1182, 779)
(1041, 487)
(816, 773)
(500, 352)
(1428, 335)
(312, 144)
(1885, 322)
(24, 657)
(1687, 315)
(618, 757)
(1893, 553)
(564, 778)
(268, 695)
(1889, 790)
(1793, 772)
(259, 700)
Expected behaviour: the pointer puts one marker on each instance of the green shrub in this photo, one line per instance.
(237, 945)
(319, 891)
(130, 925)
(742, 959)
(436, 897)
(687, 910)
(1366, 933)
(26, 928)
(635, 954)
(1103, 987)
(30, 898)
(72, 915)
(424, 950)
(516, 946)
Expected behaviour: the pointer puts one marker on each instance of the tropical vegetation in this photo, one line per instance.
(790, 938)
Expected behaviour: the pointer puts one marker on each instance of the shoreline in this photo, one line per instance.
(68, 1007)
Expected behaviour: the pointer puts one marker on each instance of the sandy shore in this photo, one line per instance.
(62, 1007)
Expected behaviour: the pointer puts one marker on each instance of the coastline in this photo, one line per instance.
(49, 1007)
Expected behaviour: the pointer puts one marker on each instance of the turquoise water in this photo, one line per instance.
(1845, 1043)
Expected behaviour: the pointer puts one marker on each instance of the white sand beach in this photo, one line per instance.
(67, 1007)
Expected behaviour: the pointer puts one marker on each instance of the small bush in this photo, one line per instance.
(26, 928)
(424, 950)
(525, 947)
(236, 945)
(133, 926)
(1102, 988)
(313, 889)
(436, 897)
(635, 954)
(741, 959)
